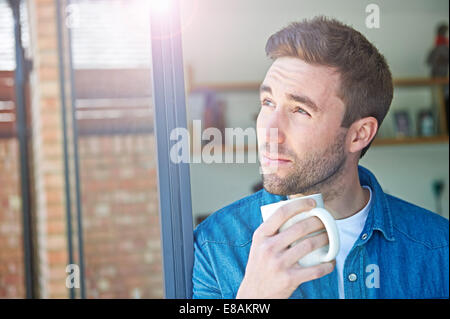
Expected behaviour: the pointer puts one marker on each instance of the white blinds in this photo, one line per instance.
(110, 34)
(106, 34)
(7, 50)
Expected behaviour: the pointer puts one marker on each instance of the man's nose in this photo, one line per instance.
(275, 126)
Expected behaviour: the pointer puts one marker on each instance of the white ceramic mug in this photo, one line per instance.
(320, 255)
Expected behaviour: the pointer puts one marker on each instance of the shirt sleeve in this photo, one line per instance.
(204, 282)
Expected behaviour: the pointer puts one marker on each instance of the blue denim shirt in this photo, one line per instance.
(402, 251)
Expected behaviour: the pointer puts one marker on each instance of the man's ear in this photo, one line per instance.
(361, 132)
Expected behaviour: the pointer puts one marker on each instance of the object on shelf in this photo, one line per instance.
(206, 106)
(214, 114)
(426, 123)
(402, 124)
(438, 57)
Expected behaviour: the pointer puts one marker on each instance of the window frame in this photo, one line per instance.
(174, 186)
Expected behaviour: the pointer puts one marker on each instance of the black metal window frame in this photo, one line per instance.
(173, 179)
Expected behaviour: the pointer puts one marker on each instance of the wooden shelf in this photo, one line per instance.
(420, 81)
(410, 140)
(226, 87)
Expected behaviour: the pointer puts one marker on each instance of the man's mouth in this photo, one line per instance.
(268, 159)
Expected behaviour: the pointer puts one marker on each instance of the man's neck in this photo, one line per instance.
(345, 196)
(352, 200)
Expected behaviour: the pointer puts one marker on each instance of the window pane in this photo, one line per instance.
(117, 150)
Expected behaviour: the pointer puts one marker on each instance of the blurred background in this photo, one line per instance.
(78, 173)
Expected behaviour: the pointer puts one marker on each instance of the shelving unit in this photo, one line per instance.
(442, 136)
(437, 83)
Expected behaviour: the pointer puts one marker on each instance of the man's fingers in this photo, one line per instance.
(304, 247)
(301, 275)
(270, 226)
(299, 230)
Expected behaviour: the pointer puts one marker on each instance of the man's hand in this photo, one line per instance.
(272, 269)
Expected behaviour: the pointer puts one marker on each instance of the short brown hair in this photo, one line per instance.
(366, 83)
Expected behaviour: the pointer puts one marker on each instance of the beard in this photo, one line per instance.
(310, 174)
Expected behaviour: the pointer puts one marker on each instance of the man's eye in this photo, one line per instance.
(267, 102)
(301, 111)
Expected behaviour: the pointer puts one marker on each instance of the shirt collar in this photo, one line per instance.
(379, 217)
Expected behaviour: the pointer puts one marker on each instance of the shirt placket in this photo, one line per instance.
(354, 271)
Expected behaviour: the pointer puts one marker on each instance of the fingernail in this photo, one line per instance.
(311, 202)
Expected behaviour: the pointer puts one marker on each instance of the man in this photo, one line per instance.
(326, 94)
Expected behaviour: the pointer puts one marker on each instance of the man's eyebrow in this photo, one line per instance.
(294, 97)
(303, 99)
(265, 88)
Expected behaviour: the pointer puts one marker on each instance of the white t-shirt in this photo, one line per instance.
(349, 230)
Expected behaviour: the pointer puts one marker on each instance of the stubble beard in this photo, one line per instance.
(312, 174)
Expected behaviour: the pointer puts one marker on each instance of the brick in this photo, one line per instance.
(44, 2)
(56, 242)
(52, 151)
(46, 28)
(49, 89)
(54, 181)
(57, 289)
(46, 12)
(48, 58)
(55, 212)
(48, 43)
(55, 197)
(48, 74)
(57, 257)
(58, 274)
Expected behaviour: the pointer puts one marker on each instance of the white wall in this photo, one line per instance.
(409, 171)
(224, 42)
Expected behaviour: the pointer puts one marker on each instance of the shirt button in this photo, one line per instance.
(352, 277)
(364, 236)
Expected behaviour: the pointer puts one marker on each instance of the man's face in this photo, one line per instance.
(300, 100)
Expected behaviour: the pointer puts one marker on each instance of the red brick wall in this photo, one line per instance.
(120, 216)
(11, 249)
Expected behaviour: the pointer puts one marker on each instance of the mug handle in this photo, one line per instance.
(332, 231)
